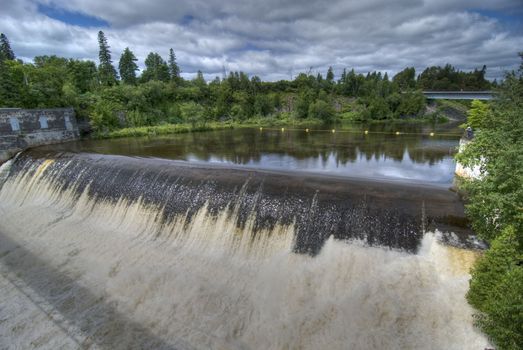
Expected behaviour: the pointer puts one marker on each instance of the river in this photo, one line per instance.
(238, 239)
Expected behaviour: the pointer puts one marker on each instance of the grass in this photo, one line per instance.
(166, 129)
(163, 129)
(284, 119)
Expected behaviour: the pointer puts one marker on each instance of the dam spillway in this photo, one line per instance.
(119, 252)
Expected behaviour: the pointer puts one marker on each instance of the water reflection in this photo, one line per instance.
(412, 155)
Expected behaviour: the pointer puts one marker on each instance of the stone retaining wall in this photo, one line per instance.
(23, 128)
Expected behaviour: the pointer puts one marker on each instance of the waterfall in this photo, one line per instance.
(130, 253)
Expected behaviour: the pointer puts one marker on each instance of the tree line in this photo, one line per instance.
(495, 207)
(111, 96)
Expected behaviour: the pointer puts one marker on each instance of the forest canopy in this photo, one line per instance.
(112, 93)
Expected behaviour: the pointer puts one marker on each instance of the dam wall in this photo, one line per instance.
(24, 128)
(316, 207)
(118, 252)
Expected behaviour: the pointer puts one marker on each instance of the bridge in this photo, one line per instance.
(459, 95)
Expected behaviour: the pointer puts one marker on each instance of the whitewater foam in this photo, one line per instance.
(77, 271)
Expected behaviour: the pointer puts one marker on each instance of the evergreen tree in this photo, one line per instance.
(5, 48)
(200, 80)
(343, 76)
(174, 70)
(128, 67)
(106, 71)
(155, 68)
(330, 75)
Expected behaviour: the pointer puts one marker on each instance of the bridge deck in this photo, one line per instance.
(458, 95)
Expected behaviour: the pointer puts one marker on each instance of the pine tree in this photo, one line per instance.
(174, 70)
(330, 75)
(106, 70)
(343, 76)
(155, 68)
(5, 48)
(199, 80)
(128, 67)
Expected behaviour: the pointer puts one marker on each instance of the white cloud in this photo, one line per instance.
(273, 38)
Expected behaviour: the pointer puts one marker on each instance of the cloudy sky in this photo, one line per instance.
(275, 38)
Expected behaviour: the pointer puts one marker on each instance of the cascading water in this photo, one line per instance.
(115, 252)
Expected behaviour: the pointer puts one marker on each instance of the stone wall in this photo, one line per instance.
(23, 128)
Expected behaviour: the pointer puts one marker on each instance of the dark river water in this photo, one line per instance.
(413, 155)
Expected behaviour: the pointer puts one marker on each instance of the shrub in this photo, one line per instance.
(502, 320)
(477, 114)
(502, 257)
(322, 110)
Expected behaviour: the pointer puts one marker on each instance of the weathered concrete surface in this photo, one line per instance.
(24, 128)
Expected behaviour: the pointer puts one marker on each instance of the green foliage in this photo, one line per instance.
(156, 96)
(12, 92)
(128, 67)
(305, 98)
(377, 108)
(448, 78)
(503, 317)
(164, 129)
(103, 116)
(502, 257)
(410, 104)
(174, 70)
(495, 207)
(106, 72)
(322, 110)
(477, 114)
(137, 118)
(155, 68)
(193, 113)
(406, 79)
(6, 53)
(496, 290)
(496, 200)
(263, 105)
(82, 75)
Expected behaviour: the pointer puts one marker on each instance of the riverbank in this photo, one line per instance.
(494, 204)
(166, 129)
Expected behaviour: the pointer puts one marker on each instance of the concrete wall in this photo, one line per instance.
(23, 128)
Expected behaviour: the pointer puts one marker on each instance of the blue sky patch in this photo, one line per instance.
(251, 47)
(511, 21)
(187, 19)
(69, 17)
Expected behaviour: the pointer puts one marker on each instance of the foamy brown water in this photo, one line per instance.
(80, 273)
